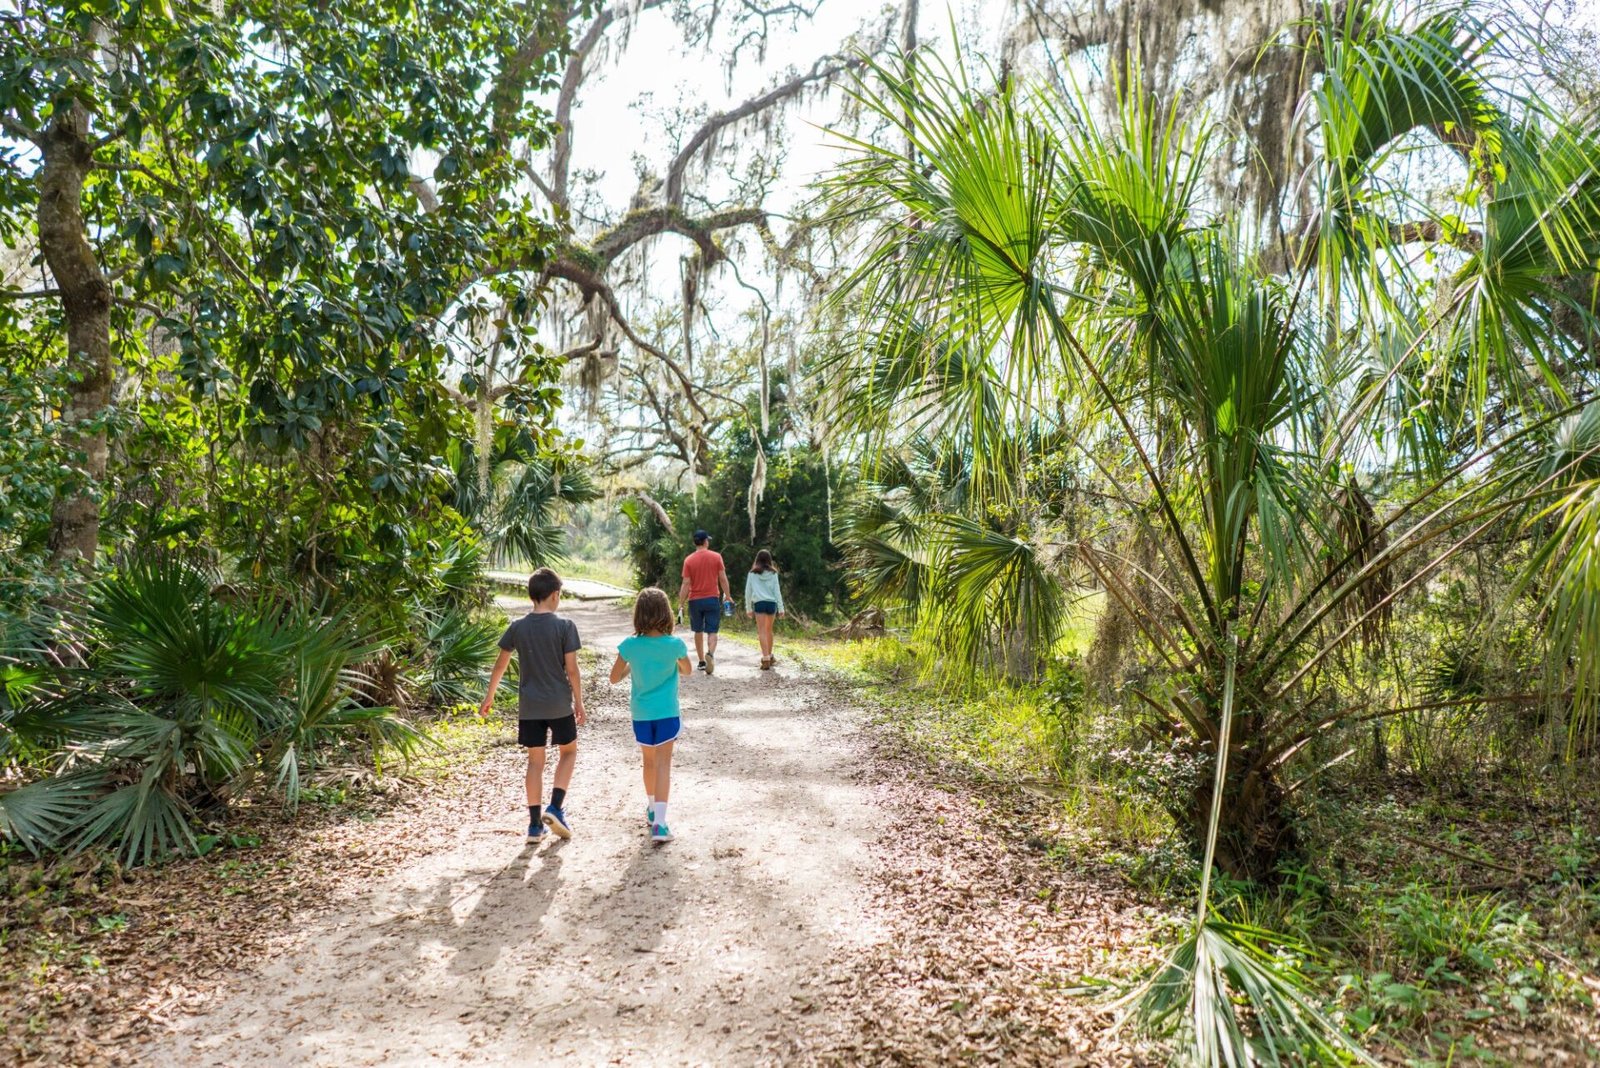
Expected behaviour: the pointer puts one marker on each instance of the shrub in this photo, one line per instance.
(184, 694)
(461, 648)
(1474, 934)
(791, 521)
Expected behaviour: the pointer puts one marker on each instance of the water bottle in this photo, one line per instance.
(727, 608)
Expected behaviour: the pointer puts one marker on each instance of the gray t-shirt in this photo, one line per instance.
(542, 641)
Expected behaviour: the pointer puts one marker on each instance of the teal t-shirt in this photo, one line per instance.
(653, 662)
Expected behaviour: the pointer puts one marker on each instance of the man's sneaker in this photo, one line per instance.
(702, 666)
(659, 833)
(535, 831)
(556, 820)
(711, 663)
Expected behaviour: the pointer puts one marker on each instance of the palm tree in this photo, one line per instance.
(1067, 261)
(513, 499)
(1233, 400)
(182, 699)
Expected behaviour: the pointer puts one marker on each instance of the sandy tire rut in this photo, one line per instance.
(605, 949)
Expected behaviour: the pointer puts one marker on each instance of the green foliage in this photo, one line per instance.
(307, 217)
(255, 179)
(325, 701)
(1569, 560)
(994, 593)
(1101, 307)
(461, 648)
(1196, 994)
(1473, 934)
(654, 551)
(1042, 274)
(288, 301)
(185, 693)
(512, 496)
(30, 480)
(791, 522)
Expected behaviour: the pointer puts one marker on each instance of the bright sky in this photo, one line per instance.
(642, 93)
(626, 108)
(641, 96)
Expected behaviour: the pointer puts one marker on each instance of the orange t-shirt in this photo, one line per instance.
(701, 568)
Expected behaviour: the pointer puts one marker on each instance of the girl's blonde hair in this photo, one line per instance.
(652, 612)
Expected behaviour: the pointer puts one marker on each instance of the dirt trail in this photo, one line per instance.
(604, 949)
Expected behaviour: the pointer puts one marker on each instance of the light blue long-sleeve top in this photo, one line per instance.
(762, 586)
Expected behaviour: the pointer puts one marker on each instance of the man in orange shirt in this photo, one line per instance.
(705, 587)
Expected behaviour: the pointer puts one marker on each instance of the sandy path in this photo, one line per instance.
(604, 949)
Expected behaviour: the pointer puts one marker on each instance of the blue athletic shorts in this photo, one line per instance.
(653, 732)
(705, 614)
(765, 608)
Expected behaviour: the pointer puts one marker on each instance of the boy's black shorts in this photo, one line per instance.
(531, 732)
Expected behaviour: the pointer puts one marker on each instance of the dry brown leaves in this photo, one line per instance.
(986, 937)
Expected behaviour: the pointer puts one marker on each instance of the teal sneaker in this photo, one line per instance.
(659, 833)
(649, 816)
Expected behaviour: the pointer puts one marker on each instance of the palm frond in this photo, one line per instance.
(1570, 560)
(1231, 997)
(42, 815)
(143, 821)
(461, 648)
(28, 682)
(970, 205)
(459, 569)
(995, 592)
(161, 633)
(1382, 80)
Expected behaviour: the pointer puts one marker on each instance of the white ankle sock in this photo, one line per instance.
(658, 809)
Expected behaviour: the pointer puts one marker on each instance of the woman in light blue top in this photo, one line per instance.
(763, 598)
(656, 659)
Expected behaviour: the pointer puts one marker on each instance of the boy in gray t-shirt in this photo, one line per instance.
(549, 697)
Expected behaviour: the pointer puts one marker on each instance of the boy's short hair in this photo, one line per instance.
(652, 612)
(542, 583)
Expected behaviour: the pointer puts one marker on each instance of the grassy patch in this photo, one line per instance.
(1030, 735)
(610, 572)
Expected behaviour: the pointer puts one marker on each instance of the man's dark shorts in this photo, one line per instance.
(705, 614)
(531, 732)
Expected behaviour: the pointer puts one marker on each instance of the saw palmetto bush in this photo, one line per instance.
(1302, 436)
(185, 696)
(461, 647)
(513, 496)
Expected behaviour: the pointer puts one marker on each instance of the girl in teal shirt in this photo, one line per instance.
(655, 659)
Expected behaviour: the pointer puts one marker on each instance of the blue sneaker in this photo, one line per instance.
(659, 833)
(649, 816)
(556, 820)
(535, 831)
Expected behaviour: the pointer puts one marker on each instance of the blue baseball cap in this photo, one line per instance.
(701, 536)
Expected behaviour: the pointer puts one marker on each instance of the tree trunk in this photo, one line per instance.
(86, 300)
(1257, 833)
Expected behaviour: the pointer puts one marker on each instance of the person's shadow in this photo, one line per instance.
(508, 910)
(650, 898)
